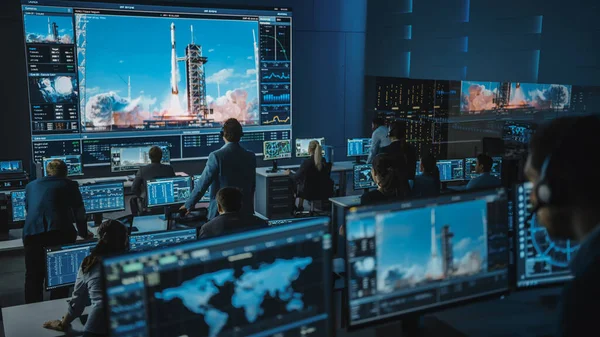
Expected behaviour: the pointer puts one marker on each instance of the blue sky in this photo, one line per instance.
(140, 47)
(531, 89)
(38, 24)
(406, 236)
(361, 228)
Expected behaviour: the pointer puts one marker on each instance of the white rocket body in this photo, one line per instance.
(174, 89)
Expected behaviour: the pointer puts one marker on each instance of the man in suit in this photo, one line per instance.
(483, 167)
(401, 149)
(53, 204)
(230, 219)
(230, 166)
(151, 171)
(565, 198)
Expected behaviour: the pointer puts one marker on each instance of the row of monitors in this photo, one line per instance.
(109, 196)
(401, 259)
(281, 149)
(462, 169)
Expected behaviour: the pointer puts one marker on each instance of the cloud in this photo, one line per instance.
(462, 244)
(250, 58)
(250, 72)
(248, 85)
(365, 266)
(92, 90)
(481, 239)
(220, 76)
(228, 57)
(211, 50)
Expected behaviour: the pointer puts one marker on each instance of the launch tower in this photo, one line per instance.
(448, 257)
(196, 82)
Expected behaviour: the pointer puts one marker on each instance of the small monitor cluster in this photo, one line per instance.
(462, 169)
(74, 164)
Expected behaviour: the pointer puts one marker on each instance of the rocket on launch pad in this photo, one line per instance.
(174, 70)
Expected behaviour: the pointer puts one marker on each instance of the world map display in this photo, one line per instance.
(250, 289)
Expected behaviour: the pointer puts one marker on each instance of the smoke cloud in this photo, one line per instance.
(108, 109)
(234, 105)
(478, 98)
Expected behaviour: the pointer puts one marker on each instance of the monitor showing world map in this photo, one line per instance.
(265, 282)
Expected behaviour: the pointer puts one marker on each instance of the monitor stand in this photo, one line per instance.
(357, 160)
(273, 168)
(98, 217)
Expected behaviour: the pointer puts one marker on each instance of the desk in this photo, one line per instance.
(338, 213)
(26, 320)
(274, 197)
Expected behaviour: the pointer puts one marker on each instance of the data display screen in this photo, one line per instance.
(11, 166)
(363, 179)
(168, 191)
(74, 165)
(146, 241)
(471, 163)
(103, 197)
(17, 200)
(277, 149)
(268, 282)
(202, 65)
(206, 196)
(124, 159)
(63, 262)
(413, 256)
(302, 146)
(359, 147)
(451, 169)
(541, 260)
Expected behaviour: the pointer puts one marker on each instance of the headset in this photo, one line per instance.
(222, 132)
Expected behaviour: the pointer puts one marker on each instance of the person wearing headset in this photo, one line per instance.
(230, 166)
(565, 198)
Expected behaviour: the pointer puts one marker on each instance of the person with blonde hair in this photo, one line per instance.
(310, 174)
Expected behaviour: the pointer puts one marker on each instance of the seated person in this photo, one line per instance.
(88, 285)
(151, 171)
(428, 183)
(310, 176)
(230, 218)
(485, 179)
(390, 177)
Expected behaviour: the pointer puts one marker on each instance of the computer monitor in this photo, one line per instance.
(266, 282)
(359, 147)
(451, 169)
(302, 146)
(168, 191)
(470, 164)
(63, 262)
(277, 149)
(206, 196)
(103, 197)
(11, 166)
(152, 240)
(131, 158)
(74, 165)
(415, 256)
(17, 200)
(362, 177)
(540, 259)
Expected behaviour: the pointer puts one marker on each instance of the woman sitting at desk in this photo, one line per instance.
(427, 184)
(391, 179)
(310, 172)
(88, 286)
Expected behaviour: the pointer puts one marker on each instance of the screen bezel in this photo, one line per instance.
(48, 249)
(163, 179)
(408, 205)
(276, 141)
(321, 141)
(108, 183)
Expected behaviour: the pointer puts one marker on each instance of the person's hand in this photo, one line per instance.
(287, 172)
(183, 210)
(55, 325)
(89, 235)
(342, 230)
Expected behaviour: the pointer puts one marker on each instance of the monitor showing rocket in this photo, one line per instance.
(101, 71)
(420, 255)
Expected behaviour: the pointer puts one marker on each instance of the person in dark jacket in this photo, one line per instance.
(151, 171)
(53, 203)
(230, 219)
(390, 177)
(400, 148)
(565, 200)
(427, 184)
(311, 176)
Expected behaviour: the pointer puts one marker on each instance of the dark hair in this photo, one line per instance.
(57, 168)
(568, 141)
(378, 121)
(230, 199)
(155, 154)
(232, 130)
(391, 175)
(430, 167)
(397, 130)
(486, 161)
(113, 240)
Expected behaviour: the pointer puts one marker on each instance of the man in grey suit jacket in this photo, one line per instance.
(151, 171)
(230, 166)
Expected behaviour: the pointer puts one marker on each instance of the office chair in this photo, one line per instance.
(317, 188)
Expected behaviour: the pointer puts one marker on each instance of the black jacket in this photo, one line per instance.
(407, 154)
(229, 223)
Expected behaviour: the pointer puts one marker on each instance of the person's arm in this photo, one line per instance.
(301, 173)
(79, 212)
(375, 142)
(77, 304)
(472, 184)
(136, 186)
(210, 173)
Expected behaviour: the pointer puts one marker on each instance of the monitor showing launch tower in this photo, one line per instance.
(420, 255)
(90, 89)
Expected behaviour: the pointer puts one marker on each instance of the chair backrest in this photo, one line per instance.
(137, 206)
(322, 186)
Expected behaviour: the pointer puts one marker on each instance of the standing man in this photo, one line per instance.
(379, 138)
(483, 167)
(53, 204)
(151, 171)
(229, 166)
(565, 199)
(401, 149)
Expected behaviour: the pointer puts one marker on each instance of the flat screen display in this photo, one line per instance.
(302, 146)
(277, 149)
(74, 164)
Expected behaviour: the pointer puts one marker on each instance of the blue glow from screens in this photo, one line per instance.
(277, 149)
(206, 196)
(74, 165)
(536, 64)
(153, 240)
(408, 32)
(362, 177)
(17, 199)
(539, 20)
(11, 166)
(467, 13)
(358, 147)
(63, 262)
(103, 197)
(465, 47)
(168, 191)
(407, 64)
